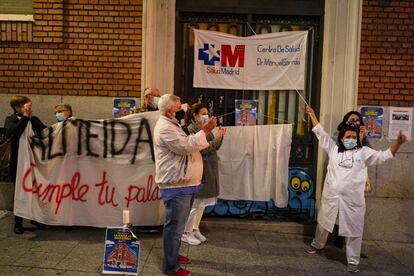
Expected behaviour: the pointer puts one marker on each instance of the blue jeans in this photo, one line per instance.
(177, 211)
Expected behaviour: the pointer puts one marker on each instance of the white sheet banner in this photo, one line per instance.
(274, 61)
(85, 172)
(254, 163)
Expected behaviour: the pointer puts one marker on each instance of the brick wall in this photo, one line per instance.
(74, 47)
(386, 72)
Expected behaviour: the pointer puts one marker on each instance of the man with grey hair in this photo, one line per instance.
(178, 173)
(151, 98)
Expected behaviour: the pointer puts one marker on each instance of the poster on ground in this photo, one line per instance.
(373, 117)
(401, 119)
(122, 250)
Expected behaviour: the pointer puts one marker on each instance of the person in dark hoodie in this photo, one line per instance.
(14, 127)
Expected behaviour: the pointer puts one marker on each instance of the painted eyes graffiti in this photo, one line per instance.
(297, 184)
(305, 186)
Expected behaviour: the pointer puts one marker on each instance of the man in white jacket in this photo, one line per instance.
(178, 173)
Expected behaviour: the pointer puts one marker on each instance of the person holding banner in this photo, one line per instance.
(343, 192)
(178, 173)
(207, 195)
(63, 112)
(14, 127)
(151, 99)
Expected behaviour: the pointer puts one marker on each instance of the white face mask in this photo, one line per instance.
(60, 117)
(204, 118)
(155, 101)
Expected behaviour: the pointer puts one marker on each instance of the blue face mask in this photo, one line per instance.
(60, 117)
(350, 143)
(204, 118)
(155, 101)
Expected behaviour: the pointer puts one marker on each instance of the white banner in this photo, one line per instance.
(85, 172)
(255, 167)
(274, 61)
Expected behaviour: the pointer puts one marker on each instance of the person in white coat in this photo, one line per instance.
(343, 192)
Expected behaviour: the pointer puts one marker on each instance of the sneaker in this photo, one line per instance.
(190, 239)
(181, 272)
(199, 236)
(352, 268)
(183, 259)
(310, 249)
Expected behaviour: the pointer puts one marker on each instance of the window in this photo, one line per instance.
(16, 10)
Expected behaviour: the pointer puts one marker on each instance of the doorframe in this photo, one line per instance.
(340, 58)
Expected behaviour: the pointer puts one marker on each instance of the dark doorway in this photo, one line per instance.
(245, 18)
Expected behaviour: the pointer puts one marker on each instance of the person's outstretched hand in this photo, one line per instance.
(209, 125)
(310, 110)
(220, 133)
(312, 115)
(401, 138)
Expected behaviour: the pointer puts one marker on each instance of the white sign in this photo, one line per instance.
(85, 172)
(401, 118)
(273, 61)
(254, 163)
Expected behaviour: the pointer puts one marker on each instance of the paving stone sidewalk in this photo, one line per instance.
(61, 251)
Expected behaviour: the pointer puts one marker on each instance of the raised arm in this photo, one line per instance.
(325, 141)
(401, 140)
(312, 115)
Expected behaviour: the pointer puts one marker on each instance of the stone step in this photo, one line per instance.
(275, 226)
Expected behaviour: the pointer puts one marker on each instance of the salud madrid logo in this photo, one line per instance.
(226, 58)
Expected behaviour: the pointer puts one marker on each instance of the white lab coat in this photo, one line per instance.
(343, 191)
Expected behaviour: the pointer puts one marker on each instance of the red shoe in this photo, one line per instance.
(183, 259)
(182, 272)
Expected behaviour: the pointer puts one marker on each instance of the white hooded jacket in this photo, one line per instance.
(178, 162)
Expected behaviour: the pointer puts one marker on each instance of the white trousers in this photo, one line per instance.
(353, 245)
(194, 219)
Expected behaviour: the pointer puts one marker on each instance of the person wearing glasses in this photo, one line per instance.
(343, 198)
(63, 112)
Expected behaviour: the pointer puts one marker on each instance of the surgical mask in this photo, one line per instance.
(60, 117)
(350, 143)
(155, 100)
(204, 118)
(179, 115)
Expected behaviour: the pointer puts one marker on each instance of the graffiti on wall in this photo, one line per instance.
(301, 200)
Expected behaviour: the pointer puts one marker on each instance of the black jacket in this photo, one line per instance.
(14, 127)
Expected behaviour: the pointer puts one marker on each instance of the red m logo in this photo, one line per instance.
(232, 58)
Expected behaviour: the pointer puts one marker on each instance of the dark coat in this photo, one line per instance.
(14, 127)
(210, 183)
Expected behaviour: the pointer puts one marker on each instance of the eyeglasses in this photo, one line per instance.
(346, 162)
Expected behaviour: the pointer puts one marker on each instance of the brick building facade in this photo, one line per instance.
(84, 52)
(74, 47)
(93, 47)
(386, 72)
